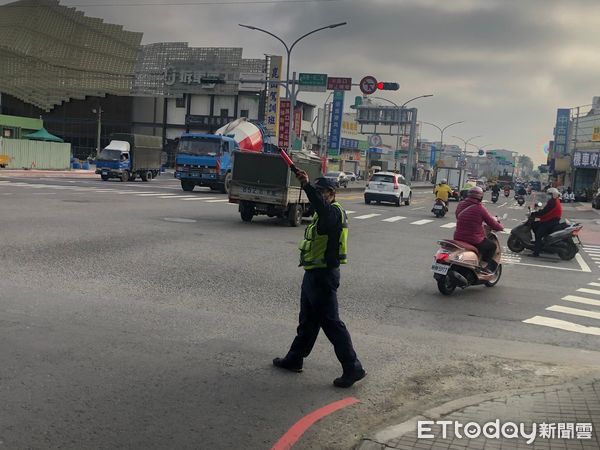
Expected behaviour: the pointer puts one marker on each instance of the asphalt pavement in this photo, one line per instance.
(138, 315)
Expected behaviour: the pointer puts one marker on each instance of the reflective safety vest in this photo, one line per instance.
(314, 245)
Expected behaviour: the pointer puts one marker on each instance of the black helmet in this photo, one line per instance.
(325, 183)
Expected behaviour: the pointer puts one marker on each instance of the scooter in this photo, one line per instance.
(495, 196)
(506, 193)
(439, 208)
(457, 264)
(520, 199)
(563, 241)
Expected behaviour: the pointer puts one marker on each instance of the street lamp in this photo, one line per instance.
(466, 142)
(400, 110)
(98, 111)
(442, 132)
(289, 49)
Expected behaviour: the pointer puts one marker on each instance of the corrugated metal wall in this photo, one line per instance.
(36, 154)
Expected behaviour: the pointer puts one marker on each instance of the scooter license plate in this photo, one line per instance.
(438, 207)
(104, 172)
(442, 269)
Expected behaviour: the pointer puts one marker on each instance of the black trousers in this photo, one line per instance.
(542, 229)
(319, 309)
(487, 250)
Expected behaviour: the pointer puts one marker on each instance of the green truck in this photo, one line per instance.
(263, 184)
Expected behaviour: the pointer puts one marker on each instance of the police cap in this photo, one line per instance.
(325, 183)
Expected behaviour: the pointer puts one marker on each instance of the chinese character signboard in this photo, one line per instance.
(298, 121)
(337, 114)
(586, 160)
(339, 84)
(272, 113)
(314, 82)
(285, 112)
(349, 143)
(561, 131)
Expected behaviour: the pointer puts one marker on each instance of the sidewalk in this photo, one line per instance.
(35, 173)
(565, 416)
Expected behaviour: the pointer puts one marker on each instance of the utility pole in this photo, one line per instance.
(98, 111)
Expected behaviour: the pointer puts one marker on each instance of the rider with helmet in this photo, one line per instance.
(549, 217)
(443, 191)
(470, 216)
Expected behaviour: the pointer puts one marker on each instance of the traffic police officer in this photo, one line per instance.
(322, 251)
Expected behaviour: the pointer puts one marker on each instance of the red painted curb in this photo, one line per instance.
(293, 434)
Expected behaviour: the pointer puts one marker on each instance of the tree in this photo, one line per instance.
(525, 164)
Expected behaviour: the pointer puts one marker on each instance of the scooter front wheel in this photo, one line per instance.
(514, 244)
(493, 282)
(446, 285)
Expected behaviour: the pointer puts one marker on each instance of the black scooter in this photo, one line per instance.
(495, 196)
(439, 208)
(520, 199)
(563, 241)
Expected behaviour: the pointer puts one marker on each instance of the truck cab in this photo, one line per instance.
(205, 160)
(114, 160)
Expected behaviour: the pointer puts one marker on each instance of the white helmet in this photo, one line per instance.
(553, 192)
(443, 181)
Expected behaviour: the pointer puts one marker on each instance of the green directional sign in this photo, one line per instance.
(314, 82)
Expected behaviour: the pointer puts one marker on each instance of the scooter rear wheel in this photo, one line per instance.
(446, 285)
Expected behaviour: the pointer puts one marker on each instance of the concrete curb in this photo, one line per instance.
(377, 440)
(47, 173)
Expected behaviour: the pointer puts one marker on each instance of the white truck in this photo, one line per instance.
(456, 177)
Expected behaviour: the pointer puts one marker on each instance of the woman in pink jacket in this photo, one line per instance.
(470, 216)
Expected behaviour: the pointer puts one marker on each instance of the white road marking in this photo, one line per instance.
(574, 311)
(503, 204)
(217, 201)
(582, 263)
(583, 300)
(151, 195)
(449, 225)
(134, 192)
(170, 196)
(420, 207)
(506, 231)
(366, 216)
(593, 247)
(179, 220)
(594, 284)
(393, 219)
(588, 291)
(421, 222)
(350, 212)
(196, 199)
(563, 325)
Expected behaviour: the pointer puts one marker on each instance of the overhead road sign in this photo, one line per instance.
(339, 84)
(312, 82)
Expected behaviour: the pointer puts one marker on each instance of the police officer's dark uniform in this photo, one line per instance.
(322, 251)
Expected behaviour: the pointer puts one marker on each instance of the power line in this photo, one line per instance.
(206, 3)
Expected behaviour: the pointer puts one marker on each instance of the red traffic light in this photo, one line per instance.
(386, 86)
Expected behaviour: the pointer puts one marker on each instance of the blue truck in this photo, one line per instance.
(129, 156)
(205, 160)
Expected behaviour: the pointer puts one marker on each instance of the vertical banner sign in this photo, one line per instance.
(285, 112)
(561, 131)
(337, 114)
(432, 156)
(298, 122)
(272, 118)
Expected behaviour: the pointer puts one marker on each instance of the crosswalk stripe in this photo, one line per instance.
(151, 195)
(563, 325)
(196, 199)
(588, 291)
(449, 225)
(366, 216)
(393, 219)
(421, 222)
(134, 192)
(217, 201)
(350, 212)
(582, 300)
(574, 311)
(593, 247)
(594, 284)
(170, 196)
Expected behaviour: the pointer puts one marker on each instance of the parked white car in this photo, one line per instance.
(338, 177)
(388, 187)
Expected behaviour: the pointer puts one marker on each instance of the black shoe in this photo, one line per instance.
(348, 379)
(288, 364)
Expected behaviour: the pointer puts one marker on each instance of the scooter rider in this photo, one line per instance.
(470, 215)
(496, 189)
(521, 190)
(549, 217)
(443, 192)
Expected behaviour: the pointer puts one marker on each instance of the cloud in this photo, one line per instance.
(503, 66)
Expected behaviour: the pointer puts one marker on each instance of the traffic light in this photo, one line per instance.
(385, 86)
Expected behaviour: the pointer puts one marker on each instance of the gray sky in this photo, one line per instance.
(502, 66)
